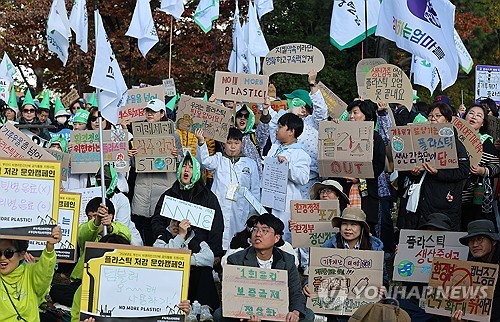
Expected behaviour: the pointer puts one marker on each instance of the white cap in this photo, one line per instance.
(156, 105)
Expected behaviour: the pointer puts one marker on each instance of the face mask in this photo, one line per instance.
(61, 119)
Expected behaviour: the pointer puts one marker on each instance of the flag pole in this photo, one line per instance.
(170, 51)
(215, 45)
(365, 42)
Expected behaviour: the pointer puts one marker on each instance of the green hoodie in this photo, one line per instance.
(196, 171)
(26, 285)
(251, 119)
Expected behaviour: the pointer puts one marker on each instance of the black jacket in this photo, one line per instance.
(199, 195)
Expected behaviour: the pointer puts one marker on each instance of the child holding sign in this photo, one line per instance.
(234, 173)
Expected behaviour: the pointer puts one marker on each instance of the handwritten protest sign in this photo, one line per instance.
(335, 105)
(86, 194)
(64, 158)
(279, 105)
(154, 142)
(29, 198)
(69, 98)
(295, 58)
(362, 69)
(214, 119)
(345, 149)
(417, 143)
(137, 99)
(470, 139)
(248, 291)
(177, 209)
(388, 83)
(487, 83)
(65, 133)
(494, 127)
(85, 152)
(274, 184)
(122, 281)
(241, 87)
(169, 87)
(417, 248)
(341, 280)
(69, 209)
(15, 145)
(314, 221)
(4, 90)
(460, 285)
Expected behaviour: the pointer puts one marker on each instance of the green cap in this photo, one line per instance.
(60, 110)
(171, 104)
(92, 101)
(61, 141)
(13, 99)
(302, 94)
(28, 99)
(46, 100)
(81, 116)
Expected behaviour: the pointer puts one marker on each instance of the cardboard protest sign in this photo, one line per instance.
(345, 149)
(417, 248)
(494, 127)
(342, 280)
(240, 87)
(487, 83)
(137, 99)
(69, 98)
(470, 139)
(274, 184)
(86, 194)
(388, 83)
(295, 58)
(169, 87)
(29, 202)
(335, 105)
(65, 133)
(64, 158)
(417, 143)
(177, 209)
(128, 282)
(69, 209)
(4, 90)
(279, 105)
(154, 142)
(314, 221)
(214, 119)
(248, 291)
(461, 285)
(38, 140)
(85, 152)
(362, 69)
(15, 145)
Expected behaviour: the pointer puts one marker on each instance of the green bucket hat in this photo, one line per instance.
(61, 141)
(81, 116)
(302, 94)
(46, 100)
(480, 227)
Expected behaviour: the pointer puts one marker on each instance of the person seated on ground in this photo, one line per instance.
(111, 239)
(264, 253)
(482, 240)
(23, 285)
(99, 216)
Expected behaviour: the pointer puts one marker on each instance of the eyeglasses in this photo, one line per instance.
(326, 191)
(435, 116)
(31, 110)
(475, 116)
(263, 230)
(243, 115)
(8, 253)
(478, 239)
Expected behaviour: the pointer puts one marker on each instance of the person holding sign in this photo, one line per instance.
(23, 285)
(477, 195)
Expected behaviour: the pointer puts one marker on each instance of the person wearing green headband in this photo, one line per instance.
(119, 200)
(80, 120)
(190, 188)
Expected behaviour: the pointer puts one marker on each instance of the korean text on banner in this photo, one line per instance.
(274, 183)
(15, 144)
(470, 139)
(295, 58)
(336, 106)
(137, 99)
(362, 69)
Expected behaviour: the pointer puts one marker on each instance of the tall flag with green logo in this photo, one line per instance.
(58, 30)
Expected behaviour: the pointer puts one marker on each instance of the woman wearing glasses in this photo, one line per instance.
(477, 196)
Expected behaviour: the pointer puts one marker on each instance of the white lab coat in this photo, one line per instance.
(122, 215)
(245, 174)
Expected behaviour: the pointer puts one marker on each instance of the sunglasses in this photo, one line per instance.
(93, 118)
(29, 111)
(243, 115)
(8, 253)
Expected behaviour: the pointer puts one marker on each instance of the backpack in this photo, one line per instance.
(380, 312)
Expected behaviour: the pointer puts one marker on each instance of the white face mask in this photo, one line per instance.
(61, 119)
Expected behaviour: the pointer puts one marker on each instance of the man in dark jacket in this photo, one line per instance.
(264, 253)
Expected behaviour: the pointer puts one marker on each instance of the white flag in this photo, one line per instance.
(173, 7)
(238, 58)
(58, 30)
(106, 76)
(424, 73)
(7, 69)
(256, 41)
(253, 62)
(206, 12)
(425, 29)
(347, 26)
(142, 27)
(79, 22)
(264, 6)
(464, 59)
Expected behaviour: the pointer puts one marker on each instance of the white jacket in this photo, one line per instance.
(243, 173)
(298, 175)
(205, 257)
(122, 215)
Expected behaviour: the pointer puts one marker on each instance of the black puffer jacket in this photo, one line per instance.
(199, 195)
